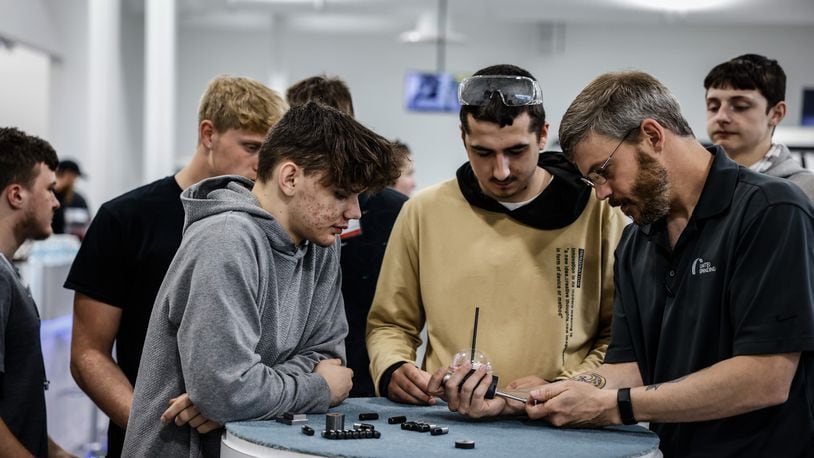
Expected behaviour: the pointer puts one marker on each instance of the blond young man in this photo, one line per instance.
(132, 239)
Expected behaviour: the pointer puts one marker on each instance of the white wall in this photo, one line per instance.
(32, 23)
(680, 56)
(374, 67)
(60, 29)
(25, 89)
(69, 94)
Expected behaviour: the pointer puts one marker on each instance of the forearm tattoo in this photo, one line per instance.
(656, 386)
(591, 377)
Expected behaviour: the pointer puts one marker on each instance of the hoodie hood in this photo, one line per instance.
(785, 166)
(233, 193)
(559, 205)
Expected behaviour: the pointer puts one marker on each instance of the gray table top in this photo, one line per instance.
(493, 437)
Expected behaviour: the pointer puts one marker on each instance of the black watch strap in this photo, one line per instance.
(625, 406)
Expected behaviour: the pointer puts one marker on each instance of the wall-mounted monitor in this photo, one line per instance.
(431, 92)
(808, 107)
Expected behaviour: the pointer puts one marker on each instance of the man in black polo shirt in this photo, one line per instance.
(713, 326)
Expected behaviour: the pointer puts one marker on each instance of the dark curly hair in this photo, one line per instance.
(19, 155)
(324, 140)
(748, 72)
(496, 112)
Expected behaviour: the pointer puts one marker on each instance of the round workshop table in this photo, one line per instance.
(493, 437)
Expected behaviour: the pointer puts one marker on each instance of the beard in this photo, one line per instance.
(33, 229)
(651, 192)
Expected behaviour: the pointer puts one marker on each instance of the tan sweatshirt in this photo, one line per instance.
(545, 296)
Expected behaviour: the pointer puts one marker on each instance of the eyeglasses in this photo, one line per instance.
(599, 175)
(514, 91)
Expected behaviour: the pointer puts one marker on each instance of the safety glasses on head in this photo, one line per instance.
(514, 91)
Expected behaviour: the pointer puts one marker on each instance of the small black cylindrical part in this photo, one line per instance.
(368, 416)
(490, 393)
(397, 419)
(376, 434)
(307, 430)
(335, 421)
(467, 444)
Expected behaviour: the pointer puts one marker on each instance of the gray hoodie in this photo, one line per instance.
(785, 166)
(240, 322)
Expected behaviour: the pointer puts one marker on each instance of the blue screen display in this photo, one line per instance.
(436, 92)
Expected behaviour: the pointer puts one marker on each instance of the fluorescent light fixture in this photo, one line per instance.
(317, 4)
(679, 6)
(426, 31)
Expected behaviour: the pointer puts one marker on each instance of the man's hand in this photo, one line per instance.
(408, 384)
(467, 397)
(573, 403)
(182, 411)
(339, 378)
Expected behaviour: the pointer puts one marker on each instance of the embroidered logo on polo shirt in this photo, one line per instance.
(700, 267)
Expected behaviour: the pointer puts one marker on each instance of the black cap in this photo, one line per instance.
(70, 166)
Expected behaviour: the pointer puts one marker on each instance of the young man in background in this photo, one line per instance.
(365, 239)
(745, 103)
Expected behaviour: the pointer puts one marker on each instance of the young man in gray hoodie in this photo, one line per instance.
(249, 320)
(746, 100)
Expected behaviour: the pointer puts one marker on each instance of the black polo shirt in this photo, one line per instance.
(740, 281)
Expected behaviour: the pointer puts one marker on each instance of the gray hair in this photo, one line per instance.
(615, 103)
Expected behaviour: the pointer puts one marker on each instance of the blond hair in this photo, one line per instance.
(235, 102)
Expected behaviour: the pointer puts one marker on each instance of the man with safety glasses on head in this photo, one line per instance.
(517, 234)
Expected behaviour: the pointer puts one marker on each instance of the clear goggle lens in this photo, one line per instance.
(514, 91)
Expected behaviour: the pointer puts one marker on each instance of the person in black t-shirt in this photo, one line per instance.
(361, 260)
(27, 206)
(130, 243)
(73, 215)
(363, 243)
(713, 326)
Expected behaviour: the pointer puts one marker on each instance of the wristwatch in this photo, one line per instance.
(625, 406)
